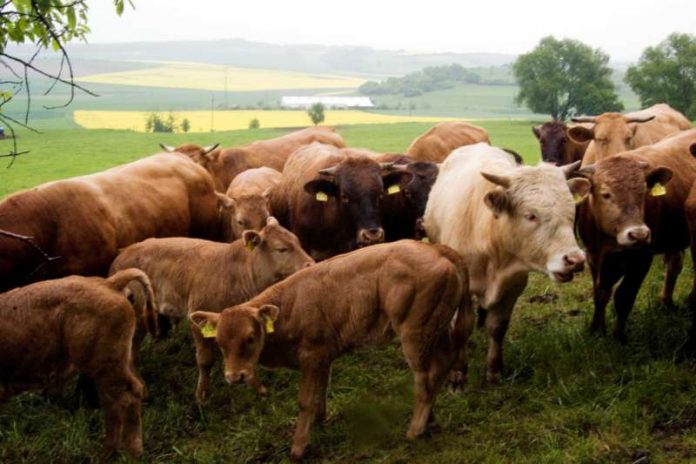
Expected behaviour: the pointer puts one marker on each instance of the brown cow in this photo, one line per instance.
(615, 133)
(443, 138)
(406, 289)
(226, 164)
(214, 276)
(51, 330)
(625, 222)
(556, 146)
(330, 198)
(247, 201)
(85, 220)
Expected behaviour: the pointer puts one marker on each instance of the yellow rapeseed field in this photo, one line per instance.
(203, 121)
(203, 76)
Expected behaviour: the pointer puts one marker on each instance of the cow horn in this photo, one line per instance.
(518, 158)
(271, 221)
(503, 181)
(386, 166)
(167, 148)
(569, 169)
(640, 119)
(329, 171)
(586, 171)
(591, 119)
(210, 148)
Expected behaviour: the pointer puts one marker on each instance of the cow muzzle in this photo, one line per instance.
(634, 236)
(238, 377)
(370, 236)
(563, 267)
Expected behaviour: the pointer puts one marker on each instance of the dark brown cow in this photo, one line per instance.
(556, 146)
(406, 289)
(636, 210)
(51, 330)
(330, 198)
(402, 209)
(226, 164)
(443, 138)
(84, 221)
(214, 276)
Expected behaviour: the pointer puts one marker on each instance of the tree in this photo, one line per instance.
(666, 73)
(565, 77)
(43, 23)
(156, 123)
(185, 125)
(316, 113)
(254, 123)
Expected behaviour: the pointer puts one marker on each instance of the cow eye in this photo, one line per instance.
(282, 250)
(530, 216)
(241, 223)
(249, 340)
(606, 196)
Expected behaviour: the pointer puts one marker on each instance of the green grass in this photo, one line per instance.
(565, 396)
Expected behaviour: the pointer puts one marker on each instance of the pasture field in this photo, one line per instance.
(203, 76)
(565, 396)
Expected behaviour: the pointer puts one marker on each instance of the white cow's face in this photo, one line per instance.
(535, 210)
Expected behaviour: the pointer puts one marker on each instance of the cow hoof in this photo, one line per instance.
(457, 380)
(620, 337)
(297, 452)
(492, 378)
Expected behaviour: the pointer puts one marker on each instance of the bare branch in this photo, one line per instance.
(47, 259)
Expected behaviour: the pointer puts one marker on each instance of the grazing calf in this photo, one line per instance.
(436, 144)
(190, 275)
(246, 203)
(53, 329)
(406, 289)
(225, 164)
(505, 220)
(84, 221)
(636, 210)
(330, 198)
(556, 146)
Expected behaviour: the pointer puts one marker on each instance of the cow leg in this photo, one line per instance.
(133, 424)
(313, 384)
(481, 318)
(459, 337)
(605, 274)
(626, 293)
(674, 262)
(497, 322)
(205, 358)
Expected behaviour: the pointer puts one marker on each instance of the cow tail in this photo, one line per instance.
(121, 279)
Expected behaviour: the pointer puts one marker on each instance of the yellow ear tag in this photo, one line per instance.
(269, 325)
(425, 240)
(393, 189)
(658, 190)
(578, 198)
(208, 330)
(321, 196)
(250, 246)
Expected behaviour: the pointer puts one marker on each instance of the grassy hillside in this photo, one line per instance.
(565, 396)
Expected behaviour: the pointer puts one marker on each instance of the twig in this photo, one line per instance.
(30, 240)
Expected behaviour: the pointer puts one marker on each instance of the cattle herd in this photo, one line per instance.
(292, 251)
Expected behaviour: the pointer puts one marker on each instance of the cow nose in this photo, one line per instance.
(235, 377)
(374, 235)
(638, 235)
(575, 261)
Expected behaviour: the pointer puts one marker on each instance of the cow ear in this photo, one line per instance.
(313, 187)
(269, 312)
(498, 201)
(580, 188)
(537, 131)
(224, 201)
(659, 175)
(251, 239)
(200, 318)
(397, 177)
(580, 134)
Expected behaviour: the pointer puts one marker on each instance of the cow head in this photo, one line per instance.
(241, 333)
(357, 184)
(612, 133)
(536, 210)
(246, 212)
(418, 189)
(197, 153)
(276, 253)
(552, 140)
(620, 185)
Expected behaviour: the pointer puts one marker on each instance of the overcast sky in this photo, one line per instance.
(622, 28)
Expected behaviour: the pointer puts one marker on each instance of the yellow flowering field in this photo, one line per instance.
(202, 76)
(201, 121)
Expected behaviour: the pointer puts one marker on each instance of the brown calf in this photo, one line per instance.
(438, 142)
(556, 146)
(52, 329)
(406, 289)
(190, 275)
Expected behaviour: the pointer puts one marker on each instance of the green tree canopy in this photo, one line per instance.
(316, 113)
(666, 73)
(565, 77)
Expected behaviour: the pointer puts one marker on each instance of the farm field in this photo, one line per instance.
(204, 76)
(565, 396)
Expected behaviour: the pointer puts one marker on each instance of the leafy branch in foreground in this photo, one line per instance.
(44, 24)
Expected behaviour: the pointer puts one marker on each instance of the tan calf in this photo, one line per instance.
(406, 289)
(53, 329)
(438, 142)
(190, 275)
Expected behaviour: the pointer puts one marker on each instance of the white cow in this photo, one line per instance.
(505, 220)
